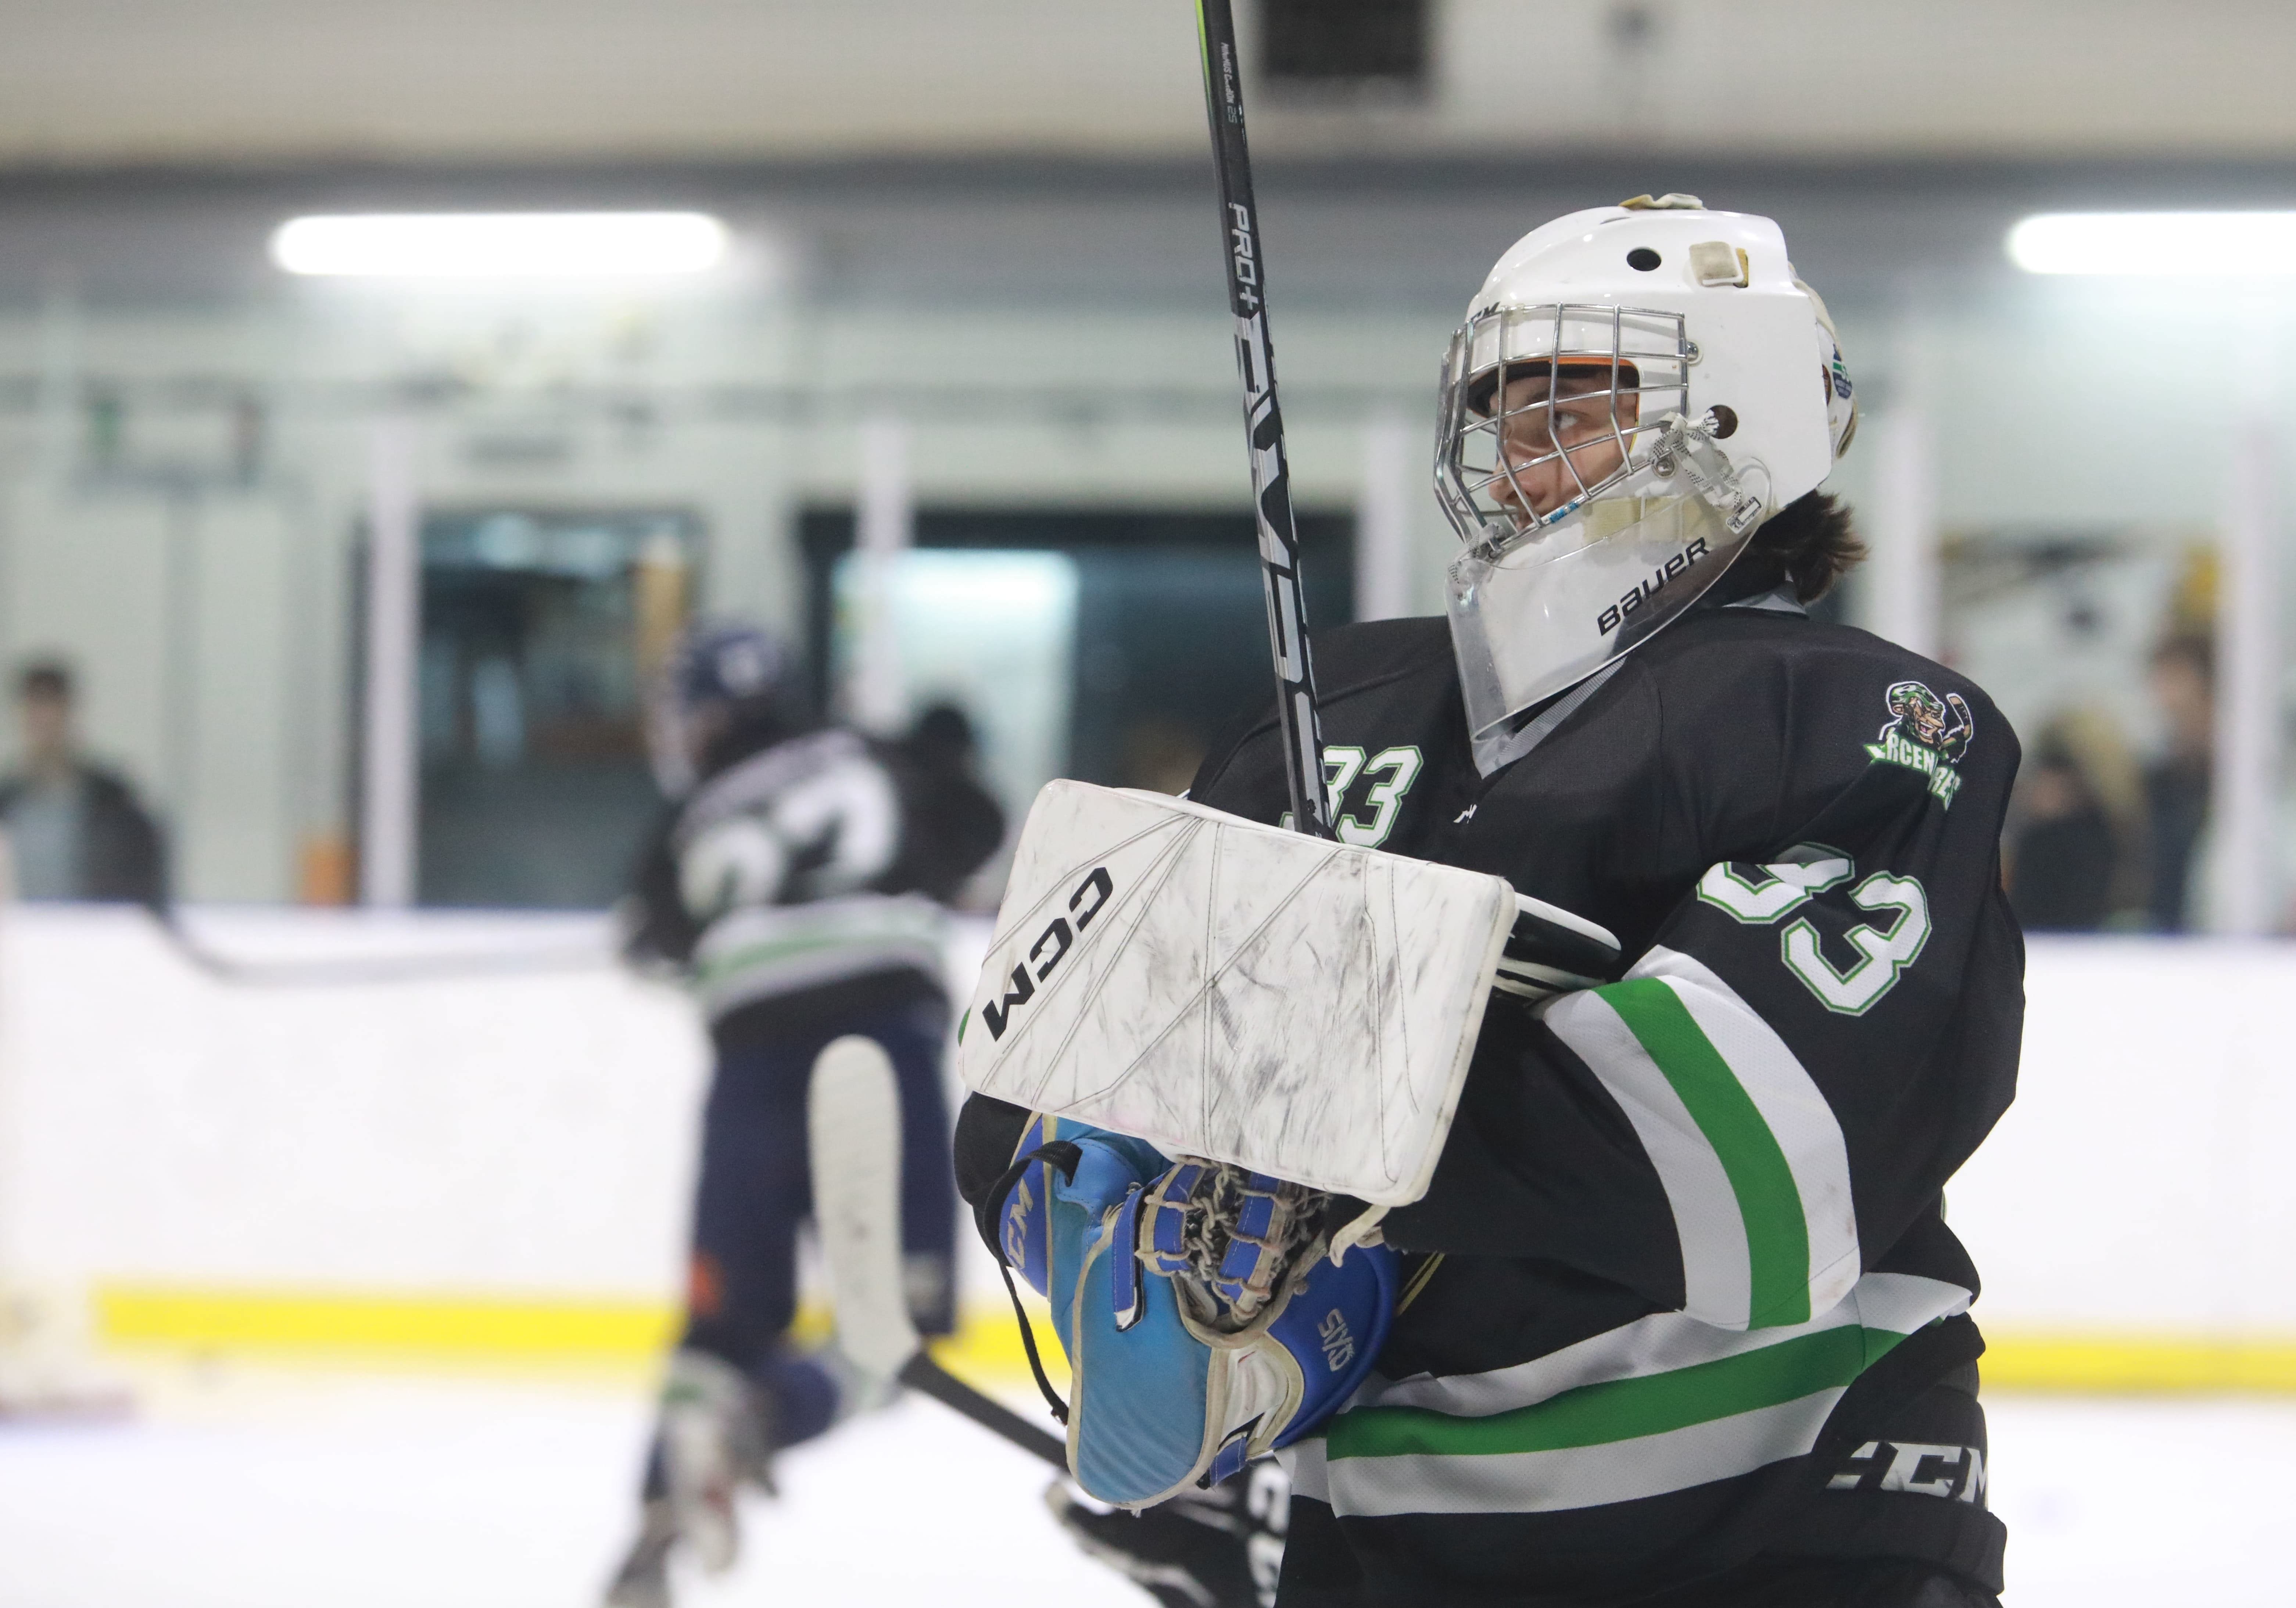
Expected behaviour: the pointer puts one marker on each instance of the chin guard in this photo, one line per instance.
(1535, 613)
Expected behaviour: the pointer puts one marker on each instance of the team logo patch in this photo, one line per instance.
(1926, 733)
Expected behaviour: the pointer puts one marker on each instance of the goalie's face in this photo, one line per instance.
(1560, 440)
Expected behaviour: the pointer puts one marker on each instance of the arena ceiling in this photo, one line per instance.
(145, 83)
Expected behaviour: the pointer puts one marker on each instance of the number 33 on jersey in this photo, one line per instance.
(1389, 773)
(1761, 895)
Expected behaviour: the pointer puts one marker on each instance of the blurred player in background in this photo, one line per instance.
(798, 881)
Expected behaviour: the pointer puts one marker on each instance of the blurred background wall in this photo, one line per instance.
(985, 226)
(971, 316)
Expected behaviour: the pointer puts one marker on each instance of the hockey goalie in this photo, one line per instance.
(1550, 1171)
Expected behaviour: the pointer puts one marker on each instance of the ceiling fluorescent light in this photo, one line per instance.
(2197, 245)
(501, 245)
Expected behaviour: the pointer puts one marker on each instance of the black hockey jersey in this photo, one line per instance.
(1681, 1290)
(806, 880)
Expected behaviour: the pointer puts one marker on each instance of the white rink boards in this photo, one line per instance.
(533, 1134)
(494, 1136)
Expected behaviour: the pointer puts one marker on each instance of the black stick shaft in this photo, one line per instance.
(1298, 722)
(927, 1377)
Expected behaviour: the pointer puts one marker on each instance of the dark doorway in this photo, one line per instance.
(1171, 624)
(540, 630)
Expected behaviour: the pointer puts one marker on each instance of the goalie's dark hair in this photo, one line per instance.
(1809, 543)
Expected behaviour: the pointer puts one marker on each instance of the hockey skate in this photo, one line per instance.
(713, 1439)
(643, 1581)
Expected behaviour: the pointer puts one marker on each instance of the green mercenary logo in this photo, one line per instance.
(1926, 733)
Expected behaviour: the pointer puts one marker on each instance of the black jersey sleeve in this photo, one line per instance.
(1822, 1029)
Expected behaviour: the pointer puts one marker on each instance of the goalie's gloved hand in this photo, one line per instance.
(1232, 1242)
(1549, 951)
(1180, 1378)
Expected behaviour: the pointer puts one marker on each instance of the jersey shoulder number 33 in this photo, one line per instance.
(1885, 944)
(1391, 772)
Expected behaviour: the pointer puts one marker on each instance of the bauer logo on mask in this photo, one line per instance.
(1610, 619)
(1630, 400)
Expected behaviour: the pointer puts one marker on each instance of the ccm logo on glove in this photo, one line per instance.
(1052, 944)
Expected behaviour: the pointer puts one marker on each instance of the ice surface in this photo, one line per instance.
(243, 1487)
(288, 1490)
(2132, 1503)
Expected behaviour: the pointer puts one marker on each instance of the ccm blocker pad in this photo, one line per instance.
(1233, 991)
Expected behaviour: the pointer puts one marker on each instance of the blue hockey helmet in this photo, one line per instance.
(721, 673)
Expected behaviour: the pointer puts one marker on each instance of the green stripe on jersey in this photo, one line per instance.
(1622, 1409)
(1778, 1231)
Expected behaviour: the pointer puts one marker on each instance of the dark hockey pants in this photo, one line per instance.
(1314, 1544)
(756, 1188)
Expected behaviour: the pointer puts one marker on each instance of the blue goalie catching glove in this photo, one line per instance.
(1204, 1322)
(1229, 1240)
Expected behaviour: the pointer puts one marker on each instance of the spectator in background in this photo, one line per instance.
(75, 829)
(2176, 784)
(2077, 859)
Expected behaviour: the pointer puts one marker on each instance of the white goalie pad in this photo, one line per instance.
(1235, 991)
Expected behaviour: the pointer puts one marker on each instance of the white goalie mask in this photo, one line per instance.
(1635, 391)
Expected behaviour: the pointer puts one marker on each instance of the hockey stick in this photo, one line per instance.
(853, 1119)
(1200, 1551)
(342, 970)
(1298, 724)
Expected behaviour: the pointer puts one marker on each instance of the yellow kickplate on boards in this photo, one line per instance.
(987, 1346)
(2106, 1364)
(225, 1319)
